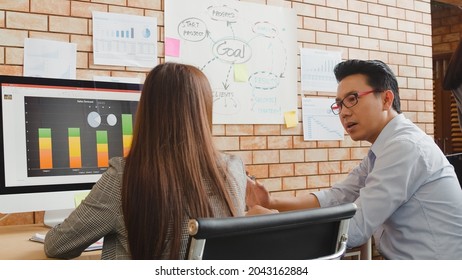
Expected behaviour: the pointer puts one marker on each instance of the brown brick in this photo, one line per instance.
(280, 142)
(292, 155)
(85, 9)
(260, 171)
(69, 25)
(234, 129)
(281, 170)
(51, 7)
(12, 38)
(265, 157)
(2, 55)
(2, 19)
(15, 5)
(253, 143)
(49, 36)
(26, 21)
(310, 168)
(146, 4)
(294, 183)
(14, 56)
(126, 10)
(226, 143)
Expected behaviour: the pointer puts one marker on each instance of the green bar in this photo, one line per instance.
(74, 132)
(101, 137)
(44, 132)
(127, 124)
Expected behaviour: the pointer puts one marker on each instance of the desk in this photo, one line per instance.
(15, 244)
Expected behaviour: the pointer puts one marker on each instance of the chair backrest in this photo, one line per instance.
(319, 233)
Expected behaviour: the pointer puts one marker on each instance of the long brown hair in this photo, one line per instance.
(171, 155)
(453, 76)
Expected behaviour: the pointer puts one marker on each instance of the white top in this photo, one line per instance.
(407, 194)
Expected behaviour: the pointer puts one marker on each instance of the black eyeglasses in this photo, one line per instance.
(349, 101)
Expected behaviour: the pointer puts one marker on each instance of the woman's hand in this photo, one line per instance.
(256, 194)
(259, 210)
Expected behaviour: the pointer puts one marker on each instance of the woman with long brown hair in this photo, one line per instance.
(453, 78)
(142, 204)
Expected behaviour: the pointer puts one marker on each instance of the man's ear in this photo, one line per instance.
(388, 99)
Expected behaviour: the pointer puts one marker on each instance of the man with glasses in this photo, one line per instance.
(407, 193)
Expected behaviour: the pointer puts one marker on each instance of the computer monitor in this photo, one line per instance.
(56, 138)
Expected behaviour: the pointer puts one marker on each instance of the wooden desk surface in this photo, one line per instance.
(15, 244)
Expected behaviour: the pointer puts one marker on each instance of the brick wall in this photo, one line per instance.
(397, 32)
(447, 28)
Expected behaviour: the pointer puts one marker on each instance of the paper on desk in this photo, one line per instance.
(98, 245)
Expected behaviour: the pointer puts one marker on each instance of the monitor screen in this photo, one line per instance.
(57, 137)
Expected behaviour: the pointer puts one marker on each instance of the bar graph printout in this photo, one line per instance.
(126, 40)
(319, 123)
(317, 69)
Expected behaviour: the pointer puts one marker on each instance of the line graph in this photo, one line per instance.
(319, 123)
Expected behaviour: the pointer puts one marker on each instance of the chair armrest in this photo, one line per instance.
(340, 252)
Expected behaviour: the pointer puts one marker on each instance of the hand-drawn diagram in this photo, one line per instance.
(248, 52)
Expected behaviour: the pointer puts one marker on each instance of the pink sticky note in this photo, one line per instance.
(172, 47)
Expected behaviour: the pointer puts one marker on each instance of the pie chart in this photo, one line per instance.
(94, 119)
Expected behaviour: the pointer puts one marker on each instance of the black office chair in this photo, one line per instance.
(319, 233)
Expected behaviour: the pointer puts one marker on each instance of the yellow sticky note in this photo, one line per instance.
(290, 118)
(240, 73)
(78, 197)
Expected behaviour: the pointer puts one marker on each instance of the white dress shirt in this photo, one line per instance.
(408, 196)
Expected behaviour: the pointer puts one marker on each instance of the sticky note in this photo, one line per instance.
(172, 47)
(290, 118)
(78, 197)
(240, 73)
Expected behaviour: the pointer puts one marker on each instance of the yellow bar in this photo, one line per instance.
(127, 142)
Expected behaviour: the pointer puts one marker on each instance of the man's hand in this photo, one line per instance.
(256, 194)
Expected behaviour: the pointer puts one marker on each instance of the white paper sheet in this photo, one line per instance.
(319, 123)
(317, 69)
(49, 59)
(125, 40)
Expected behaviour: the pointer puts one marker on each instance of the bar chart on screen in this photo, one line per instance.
(90, 133)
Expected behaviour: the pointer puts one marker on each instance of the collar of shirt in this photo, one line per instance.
(386, 133)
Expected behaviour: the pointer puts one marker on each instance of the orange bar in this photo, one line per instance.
(45, 149)
(46, 161)
(75, 162)
(102, 155)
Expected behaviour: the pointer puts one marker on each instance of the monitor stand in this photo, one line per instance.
(55, 217)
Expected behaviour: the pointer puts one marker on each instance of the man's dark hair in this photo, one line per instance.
(379, 76)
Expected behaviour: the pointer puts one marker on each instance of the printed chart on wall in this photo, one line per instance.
(319, 123)
(317, 69)
(248, 51)
(125, 40)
